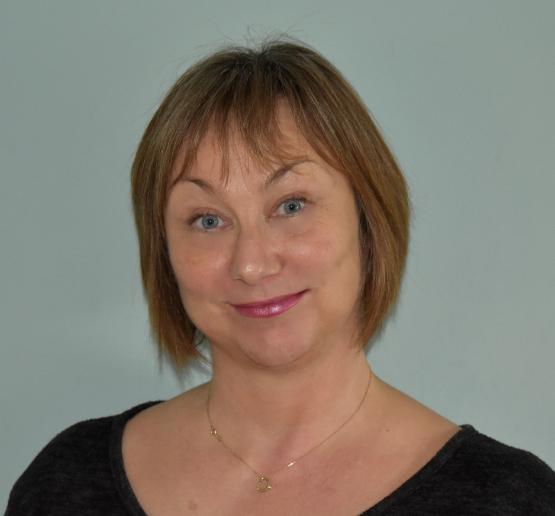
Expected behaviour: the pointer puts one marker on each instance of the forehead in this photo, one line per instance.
(226, 150)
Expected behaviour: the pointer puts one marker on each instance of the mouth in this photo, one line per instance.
(270, 307)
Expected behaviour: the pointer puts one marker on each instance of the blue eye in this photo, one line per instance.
(209, 217)
(295, 201)
(209, 220)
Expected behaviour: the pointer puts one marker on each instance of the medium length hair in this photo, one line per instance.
(235, 91)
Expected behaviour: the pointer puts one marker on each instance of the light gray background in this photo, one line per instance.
(463, 91)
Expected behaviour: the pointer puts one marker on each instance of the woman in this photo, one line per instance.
(273, 220)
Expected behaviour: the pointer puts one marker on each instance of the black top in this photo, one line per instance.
(80, 472)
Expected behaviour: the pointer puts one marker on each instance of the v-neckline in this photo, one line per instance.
(132, 504)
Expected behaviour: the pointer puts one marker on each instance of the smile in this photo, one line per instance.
(270, 308)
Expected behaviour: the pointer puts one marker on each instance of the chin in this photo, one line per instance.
(272, 356)
(278, 363)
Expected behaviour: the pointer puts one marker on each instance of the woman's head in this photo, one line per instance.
(249, 111)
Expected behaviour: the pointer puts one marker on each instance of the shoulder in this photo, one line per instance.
(495, 458)
(486, 474)
(75, 463)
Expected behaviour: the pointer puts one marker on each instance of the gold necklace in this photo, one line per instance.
(263, 483)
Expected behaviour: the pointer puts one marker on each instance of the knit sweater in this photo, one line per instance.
(80, 472)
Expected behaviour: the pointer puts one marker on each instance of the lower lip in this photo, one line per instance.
(272, 309)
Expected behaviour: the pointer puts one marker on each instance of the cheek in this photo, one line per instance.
(199, 283)
(328, 253)
(197, 274)
(333, 264)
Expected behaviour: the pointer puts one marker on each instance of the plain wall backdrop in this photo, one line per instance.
(464, 94)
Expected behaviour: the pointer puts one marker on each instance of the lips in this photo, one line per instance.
(267, 301)
(270, 307)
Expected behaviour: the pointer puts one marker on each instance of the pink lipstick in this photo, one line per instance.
(271, 307)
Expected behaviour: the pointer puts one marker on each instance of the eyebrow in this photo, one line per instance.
(273, 178)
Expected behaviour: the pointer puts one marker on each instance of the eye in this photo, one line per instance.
(209, 221)
(295, 203)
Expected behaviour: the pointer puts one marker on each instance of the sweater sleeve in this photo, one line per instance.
(484, 477)
(533, 485)
(70, 475)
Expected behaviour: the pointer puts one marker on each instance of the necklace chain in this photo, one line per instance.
(263, 482)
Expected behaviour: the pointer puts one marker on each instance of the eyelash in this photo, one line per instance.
(198, 216)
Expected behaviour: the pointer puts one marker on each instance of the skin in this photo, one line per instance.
(280, 385)
(298, 374)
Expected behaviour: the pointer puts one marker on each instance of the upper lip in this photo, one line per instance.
(266, 301)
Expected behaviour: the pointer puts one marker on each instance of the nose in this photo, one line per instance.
(255, 256)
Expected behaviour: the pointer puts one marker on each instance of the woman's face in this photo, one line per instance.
(253, 239)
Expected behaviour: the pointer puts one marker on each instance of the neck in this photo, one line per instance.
(270, 418)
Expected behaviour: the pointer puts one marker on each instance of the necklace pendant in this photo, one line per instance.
(263, 484)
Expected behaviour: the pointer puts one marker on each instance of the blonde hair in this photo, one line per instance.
(240, 87)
